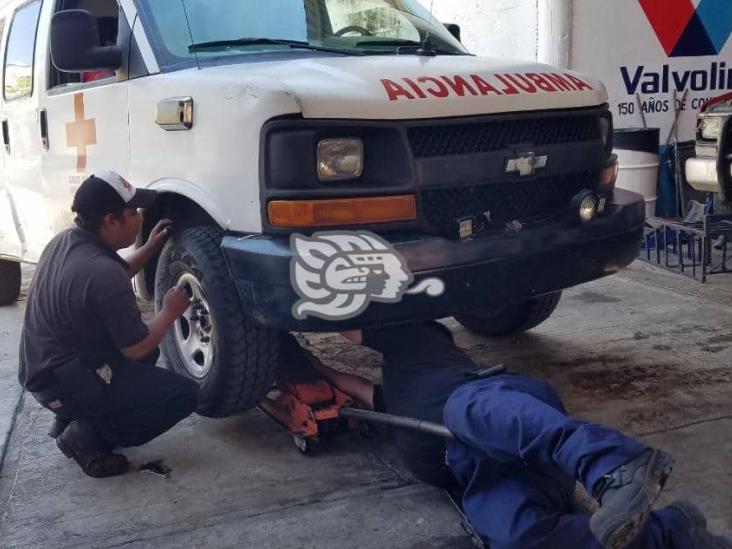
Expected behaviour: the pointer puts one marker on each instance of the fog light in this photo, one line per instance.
(340, 159)
(585, 204)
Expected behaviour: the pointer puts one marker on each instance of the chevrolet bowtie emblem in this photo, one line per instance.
(526, 164)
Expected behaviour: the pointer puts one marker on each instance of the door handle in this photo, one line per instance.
(6, 136)
(43, 119)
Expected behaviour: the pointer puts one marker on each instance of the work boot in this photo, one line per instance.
(78, 442)
(626, 495)
(58, 426)
(699, 536)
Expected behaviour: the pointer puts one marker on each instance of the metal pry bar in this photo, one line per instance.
(400, 422)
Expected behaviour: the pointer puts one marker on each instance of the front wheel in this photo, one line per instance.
(514, 319)
(232, 358)
(9, 282)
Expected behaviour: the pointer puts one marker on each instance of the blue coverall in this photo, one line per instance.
(518, 458)
(519, 454)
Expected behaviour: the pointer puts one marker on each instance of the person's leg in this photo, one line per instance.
(516, 507)
(520, 420)
(61, 421)
(685, 527)
(143, 402)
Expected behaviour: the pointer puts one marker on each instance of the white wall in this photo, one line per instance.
(496, 28)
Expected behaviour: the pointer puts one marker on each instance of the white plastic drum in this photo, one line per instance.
(637, 151)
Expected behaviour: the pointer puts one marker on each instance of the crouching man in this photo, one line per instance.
(85, 352)
(518, 455)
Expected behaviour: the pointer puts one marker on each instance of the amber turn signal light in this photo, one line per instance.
(342, 211)
(609, 176)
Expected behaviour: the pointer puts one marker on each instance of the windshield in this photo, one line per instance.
(379, 27)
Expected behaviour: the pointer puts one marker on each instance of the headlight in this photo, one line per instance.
(340, 159)
(711, 127)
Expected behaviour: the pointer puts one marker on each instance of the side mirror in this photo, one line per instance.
(75, 44)
(454, 30)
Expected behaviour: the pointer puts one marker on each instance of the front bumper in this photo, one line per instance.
(702, 173)
(486, 272)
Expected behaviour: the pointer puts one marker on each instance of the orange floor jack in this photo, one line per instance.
(308, 406)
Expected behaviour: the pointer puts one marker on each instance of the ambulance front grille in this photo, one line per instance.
(493, 205)
(477, 137)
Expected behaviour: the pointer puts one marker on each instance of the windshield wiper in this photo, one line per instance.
(405, 46)
(295, 44)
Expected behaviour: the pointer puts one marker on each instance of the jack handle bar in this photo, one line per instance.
(400, 422)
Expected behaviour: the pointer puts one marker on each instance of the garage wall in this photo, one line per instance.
(496, 28)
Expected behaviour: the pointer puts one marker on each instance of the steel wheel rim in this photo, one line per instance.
(194, 330)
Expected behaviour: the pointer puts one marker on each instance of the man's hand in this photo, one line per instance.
(159, 234)
(142, 255)
(176, 302)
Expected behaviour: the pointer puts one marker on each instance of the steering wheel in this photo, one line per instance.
(353, 28)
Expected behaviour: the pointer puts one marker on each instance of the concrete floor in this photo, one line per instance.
(644, 351)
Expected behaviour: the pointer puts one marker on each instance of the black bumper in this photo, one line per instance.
(486, 272)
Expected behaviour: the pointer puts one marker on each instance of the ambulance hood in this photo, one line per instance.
(412, 87)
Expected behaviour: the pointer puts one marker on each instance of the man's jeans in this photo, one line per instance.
(141, 402)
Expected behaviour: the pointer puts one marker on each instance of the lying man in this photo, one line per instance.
(518, 455)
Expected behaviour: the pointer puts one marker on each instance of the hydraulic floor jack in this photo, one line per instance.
(310, 407)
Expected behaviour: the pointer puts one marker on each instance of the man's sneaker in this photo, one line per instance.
(626, 495)
(699, 536)
(58, 426)
(78, 442)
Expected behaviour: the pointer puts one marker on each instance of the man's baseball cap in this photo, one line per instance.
(106, 192)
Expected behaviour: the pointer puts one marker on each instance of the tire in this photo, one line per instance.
(235, 367)
(513, 319)
(9, 282)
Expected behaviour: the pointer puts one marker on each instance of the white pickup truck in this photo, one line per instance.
(711, 169)
(255, 120)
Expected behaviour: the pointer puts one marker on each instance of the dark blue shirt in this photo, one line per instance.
(422, 367)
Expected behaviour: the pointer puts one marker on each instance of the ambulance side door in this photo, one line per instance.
(9, 239)
(86, 121)
(20, 129)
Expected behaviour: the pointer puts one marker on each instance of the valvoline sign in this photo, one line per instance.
(684, 30)
(657, 58)
(688, 31)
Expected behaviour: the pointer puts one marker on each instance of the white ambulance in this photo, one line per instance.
(256, 120)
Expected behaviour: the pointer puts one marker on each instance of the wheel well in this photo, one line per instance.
(185, 213)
